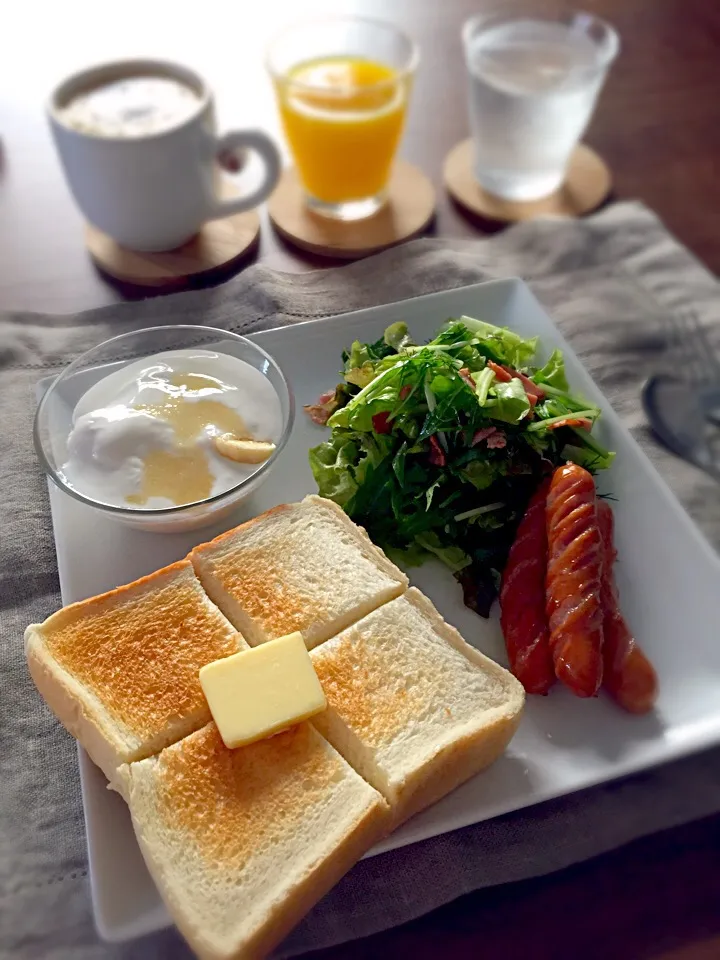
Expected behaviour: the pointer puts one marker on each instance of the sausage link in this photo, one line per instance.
(628, 675)
(522, 599)
(573, 581)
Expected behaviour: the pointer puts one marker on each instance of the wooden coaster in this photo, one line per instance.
(586, 186)
(216, 247)
(409, 209)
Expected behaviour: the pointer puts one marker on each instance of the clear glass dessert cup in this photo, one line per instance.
(54, 418)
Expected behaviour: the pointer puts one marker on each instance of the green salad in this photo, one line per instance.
(436, 448)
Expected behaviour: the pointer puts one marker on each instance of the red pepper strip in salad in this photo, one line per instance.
(531, 389)
(381, 422)
(501, 373)
(581, 422)
(437, 456)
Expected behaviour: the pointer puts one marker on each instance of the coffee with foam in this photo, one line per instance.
(131, 107)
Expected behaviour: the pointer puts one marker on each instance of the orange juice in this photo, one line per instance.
(343, 117)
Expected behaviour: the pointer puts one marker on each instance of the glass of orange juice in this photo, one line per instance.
(342, 86)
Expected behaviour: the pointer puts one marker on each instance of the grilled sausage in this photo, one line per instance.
(628, 675)
(522, 600)
(573, 581)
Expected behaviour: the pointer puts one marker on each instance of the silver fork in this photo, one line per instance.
(683, 405)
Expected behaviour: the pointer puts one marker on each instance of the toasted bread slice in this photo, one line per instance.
(301, 566)
(242, 843)
(411, 706)
(120, 671)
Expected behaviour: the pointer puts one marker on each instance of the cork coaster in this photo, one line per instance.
(586, 186)
(216, 247)
(409, 209)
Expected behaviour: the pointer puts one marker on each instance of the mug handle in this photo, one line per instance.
(262, 144)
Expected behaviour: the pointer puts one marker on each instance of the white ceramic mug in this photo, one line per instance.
(153, 192)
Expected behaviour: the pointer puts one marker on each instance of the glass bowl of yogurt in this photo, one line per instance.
(167, 428)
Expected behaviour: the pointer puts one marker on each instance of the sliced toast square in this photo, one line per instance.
(242, 843)
(413, 707)
(120, 671)
(299, 567)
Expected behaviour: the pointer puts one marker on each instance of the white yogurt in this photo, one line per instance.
(142, 437)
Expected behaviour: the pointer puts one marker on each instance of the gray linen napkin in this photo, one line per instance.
(607, 281)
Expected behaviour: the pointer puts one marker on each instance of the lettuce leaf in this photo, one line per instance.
(379, 395)
(590, 455)
(510, 402)
(361, 376)
(397, 336)
(331, 464)
(502, 345)
(553, 373)
(483, 473)
(453, 557)
(357, 355)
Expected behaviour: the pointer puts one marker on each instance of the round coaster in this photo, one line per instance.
(409, 209)
(217, 246)
(586, 186)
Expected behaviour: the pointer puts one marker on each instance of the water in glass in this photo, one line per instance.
(533, 86)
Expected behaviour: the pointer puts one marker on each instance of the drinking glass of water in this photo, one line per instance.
(534, 80)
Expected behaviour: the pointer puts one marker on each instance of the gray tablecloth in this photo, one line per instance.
(607, 280)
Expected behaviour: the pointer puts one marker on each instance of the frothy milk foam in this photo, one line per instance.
(131, 107)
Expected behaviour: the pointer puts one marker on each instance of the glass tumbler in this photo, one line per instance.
(534, 79)
(342, 86)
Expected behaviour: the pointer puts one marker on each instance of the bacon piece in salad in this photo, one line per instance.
(465, 374)
(327, 404)
(496, 439)
(321, 411)
(481, 435)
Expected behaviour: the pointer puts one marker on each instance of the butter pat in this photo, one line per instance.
(259, 692)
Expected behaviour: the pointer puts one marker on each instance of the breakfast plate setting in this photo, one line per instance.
(333, 597)
(360, 572)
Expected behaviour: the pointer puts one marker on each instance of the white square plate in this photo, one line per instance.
(668, 577)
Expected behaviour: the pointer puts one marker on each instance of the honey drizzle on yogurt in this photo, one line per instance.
(183, 475)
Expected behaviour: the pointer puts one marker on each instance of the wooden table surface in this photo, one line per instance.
(657, 125)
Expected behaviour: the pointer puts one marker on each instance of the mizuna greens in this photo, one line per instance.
(435, 449)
